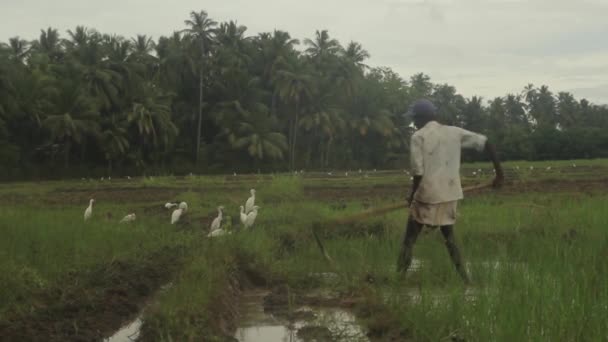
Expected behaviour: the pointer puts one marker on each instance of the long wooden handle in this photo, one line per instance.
(374, 212)
(388, 209)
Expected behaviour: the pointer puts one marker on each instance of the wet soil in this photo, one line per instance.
(90, 305)
(397, 192)
(281, 315)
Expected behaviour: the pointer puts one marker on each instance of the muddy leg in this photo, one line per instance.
(450, 243)
(405, 255)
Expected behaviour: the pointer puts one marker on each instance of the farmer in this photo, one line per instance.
(435, 166)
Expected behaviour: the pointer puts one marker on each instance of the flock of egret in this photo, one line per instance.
(248, 214)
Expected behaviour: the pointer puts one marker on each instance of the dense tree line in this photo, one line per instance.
(211, 98)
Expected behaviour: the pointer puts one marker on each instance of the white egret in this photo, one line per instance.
(217, 222)
(89, 211)
(243, 215)
(170, 205)
(250, 202)
(128, 218)
(184, 206)
(250, 220)
(177, 213)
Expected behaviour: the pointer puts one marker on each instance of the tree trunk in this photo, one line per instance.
(290, 142)
(200, 101)
(200, 114)
(327, 151)
(321, 154)
(295, 136)
(66, 161)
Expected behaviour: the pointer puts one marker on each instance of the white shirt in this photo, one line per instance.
(435, 154)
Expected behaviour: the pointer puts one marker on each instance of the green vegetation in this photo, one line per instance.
(535, 250)
(211, 98)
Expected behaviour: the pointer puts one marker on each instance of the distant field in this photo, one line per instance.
(536, 250)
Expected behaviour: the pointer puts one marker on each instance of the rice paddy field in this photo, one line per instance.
(536, 251)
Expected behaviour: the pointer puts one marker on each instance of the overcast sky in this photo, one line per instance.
(483, 47)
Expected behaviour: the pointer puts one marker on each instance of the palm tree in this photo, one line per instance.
(74, 118)
(257, 137)
(90, 62)
(113, 140)
(420, 87)
(325, 121)
(142, 44)
(49, 43)
(18, 49)
(515, 111)
(294, 86)
(322, 47)
(201, 29)
(151, 117)
(273, 54)
(356, 54)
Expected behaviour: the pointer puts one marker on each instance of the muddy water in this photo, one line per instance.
(129, 332)
(298, 324)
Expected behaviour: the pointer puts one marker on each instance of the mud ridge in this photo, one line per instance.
(91, 305)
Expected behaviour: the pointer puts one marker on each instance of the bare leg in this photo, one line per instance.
(407, 245)
(450, 243)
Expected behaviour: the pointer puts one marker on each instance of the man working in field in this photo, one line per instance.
(435, 165)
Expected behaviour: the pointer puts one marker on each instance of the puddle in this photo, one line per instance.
(301, 324)
(128, 333)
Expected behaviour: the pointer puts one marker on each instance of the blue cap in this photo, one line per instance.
(421, 107)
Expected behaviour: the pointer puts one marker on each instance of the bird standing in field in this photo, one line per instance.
(128, 218)
(89, 211)
(243, 216)
(216, 224)
(250, 219)
(170, 205)
(183, 206)
(250, 202)
(177, 213)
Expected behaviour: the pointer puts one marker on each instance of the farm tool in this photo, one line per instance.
(317, 226)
